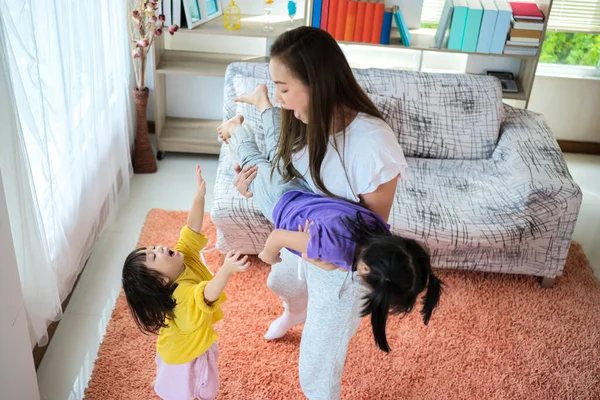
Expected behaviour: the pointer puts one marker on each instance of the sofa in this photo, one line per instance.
(487, 186)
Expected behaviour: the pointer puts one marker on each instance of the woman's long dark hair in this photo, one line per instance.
(315, 58)
(150, 299)
(400, 269)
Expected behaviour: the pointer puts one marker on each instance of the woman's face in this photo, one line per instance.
(291, 93)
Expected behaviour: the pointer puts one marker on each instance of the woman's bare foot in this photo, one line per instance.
(259, 98)
(226, 128)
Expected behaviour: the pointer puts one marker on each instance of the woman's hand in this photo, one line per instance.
(259, 98)
(243, 179)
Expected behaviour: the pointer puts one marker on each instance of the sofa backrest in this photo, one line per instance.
(444, 116)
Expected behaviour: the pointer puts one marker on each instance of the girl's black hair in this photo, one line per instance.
(150, 299)
(400, 269)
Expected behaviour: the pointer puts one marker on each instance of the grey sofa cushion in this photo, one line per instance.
(448, 117)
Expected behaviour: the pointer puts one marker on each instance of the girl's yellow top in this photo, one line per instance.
(191, 332)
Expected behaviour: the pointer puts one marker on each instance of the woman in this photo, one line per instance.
(334, 137)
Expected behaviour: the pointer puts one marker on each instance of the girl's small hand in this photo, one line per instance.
(233, 262)
(201, 182)
(270, 257)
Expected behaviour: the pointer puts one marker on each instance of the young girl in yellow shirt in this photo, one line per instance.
(172, 293)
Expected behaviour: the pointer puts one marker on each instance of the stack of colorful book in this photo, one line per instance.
(360, 21)
(475, 26)
(482, 26)
(526, 30)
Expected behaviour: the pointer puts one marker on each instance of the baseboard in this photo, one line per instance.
(570, 146)
(39, 352)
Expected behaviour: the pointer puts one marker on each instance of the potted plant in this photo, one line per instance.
(144, 26)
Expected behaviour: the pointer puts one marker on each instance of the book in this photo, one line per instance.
(350, 20)
(377, 23)
(520, 24)
(457, 26)
(324, 14)
(522, 50)
(340, 23)
(522, 44)
(524, 39)
(360, 21)
(472, 26)
(369, 20)
(527, 10)
(502, 26)
(332, 18)
(444, 23)
(176, 13)
(526, 33)
(401, 25)
(507, 80)
(488, 23)
(386, 28)
(316, 14)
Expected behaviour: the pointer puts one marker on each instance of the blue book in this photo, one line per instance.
(386, 27)
(457, 26)
(471, 36)
(488, 23)
(444, 23)
(402, 27)
(316, 14)
(502, 26)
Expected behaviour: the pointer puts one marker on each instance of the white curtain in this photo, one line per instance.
(68, 163)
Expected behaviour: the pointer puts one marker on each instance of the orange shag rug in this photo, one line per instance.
(493, 337)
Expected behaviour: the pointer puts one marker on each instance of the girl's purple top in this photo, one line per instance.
(330, 240)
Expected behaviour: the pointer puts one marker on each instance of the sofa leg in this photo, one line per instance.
(547, 282)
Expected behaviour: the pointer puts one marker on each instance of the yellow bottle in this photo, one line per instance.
(232, 16)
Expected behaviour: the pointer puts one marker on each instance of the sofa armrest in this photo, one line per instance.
(528, 151)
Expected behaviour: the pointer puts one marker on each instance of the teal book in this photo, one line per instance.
(472, 26)
(457, 26)
(401, 25)
(502, 26)
(488, 23)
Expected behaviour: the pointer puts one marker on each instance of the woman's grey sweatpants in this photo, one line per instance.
(332, 299)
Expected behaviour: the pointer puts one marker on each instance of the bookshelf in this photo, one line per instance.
(199, 135)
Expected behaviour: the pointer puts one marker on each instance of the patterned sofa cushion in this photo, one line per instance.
(448, 117)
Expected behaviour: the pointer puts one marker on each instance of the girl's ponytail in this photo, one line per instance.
(431, 297)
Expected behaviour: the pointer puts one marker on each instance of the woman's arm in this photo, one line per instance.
(380, 201)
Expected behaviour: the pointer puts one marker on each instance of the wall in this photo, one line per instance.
(17, 372)
(571, 106)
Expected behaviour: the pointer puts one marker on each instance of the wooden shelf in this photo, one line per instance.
(422, 39)
(190, 135)
(205, 64)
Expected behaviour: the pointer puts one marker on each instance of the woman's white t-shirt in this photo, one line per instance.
(369, 152)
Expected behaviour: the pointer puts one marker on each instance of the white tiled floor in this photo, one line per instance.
(68, 363)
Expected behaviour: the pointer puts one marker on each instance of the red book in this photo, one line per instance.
(377, 23)
(360, 21)
(332, 17)
(526, 10)
(369, 19)
(340, 24)
(350, 20)
(324, 14)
